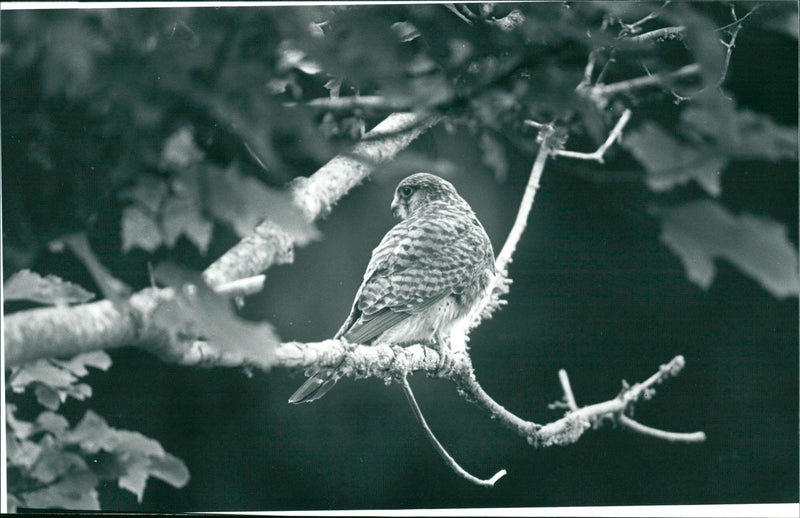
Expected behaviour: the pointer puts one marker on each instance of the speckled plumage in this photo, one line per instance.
(426, 275)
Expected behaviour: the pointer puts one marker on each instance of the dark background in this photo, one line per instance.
(594, 293)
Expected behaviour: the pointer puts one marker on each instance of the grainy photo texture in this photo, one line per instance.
(532, 254)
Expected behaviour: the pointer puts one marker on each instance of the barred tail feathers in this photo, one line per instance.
(316, 386)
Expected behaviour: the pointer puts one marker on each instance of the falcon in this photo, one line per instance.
(425, 278)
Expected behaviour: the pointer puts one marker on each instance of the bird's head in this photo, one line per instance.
(419, 190)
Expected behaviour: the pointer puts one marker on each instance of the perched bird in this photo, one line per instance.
(423, 280)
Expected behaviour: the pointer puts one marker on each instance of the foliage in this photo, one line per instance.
(699, 231)
(52, 464)
(181, 128)
(27, 285)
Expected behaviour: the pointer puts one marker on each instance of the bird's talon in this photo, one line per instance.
(447, 364)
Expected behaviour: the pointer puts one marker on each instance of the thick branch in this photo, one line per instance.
(66, 331)
(395, 363)
(315, 196)
(678, 32)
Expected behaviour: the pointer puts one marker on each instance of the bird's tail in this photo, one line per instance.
(316, 386)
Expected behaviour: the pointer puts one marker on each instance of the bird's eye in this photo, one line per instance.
(406, 191)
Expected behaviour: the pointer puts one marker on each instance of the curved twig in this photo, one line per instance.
(635, 426)
(438, 446)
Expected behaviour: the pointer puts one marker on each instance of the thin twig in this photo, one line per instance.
(501, 281)
(440, 449)
(599, 154)
(740, 20)
(367, 102)
(569, 396)
(241, 287)
(732, 42)
(452, 9)
(632, 28)
(638, 427)
(608, 90)
(521, 221)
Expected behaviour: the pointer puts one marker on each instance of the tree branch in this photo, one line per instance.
(440, 449)
(56, 332)
(387, 362)
(605, 91)
(598, 155)
(362, 102)
(677, 32)
(67, 331)
(315, 196)
(501, 283)
(635, 426)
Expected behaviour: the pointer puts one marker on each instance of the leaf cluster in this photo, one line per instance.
(54, 465)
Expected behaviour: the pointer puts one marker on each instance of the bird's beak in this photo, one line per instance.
(396, 210)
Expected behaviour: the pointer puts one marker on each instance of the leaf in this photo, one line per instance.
(669, 163)
(77, 491)
(494, 156)
(27, 285)
(53, 462)
(213, 318)
(742, 134)
(77, 364)
(53, 384)
(92, 434)
(136, 457)
(701, 231)
(760, 137)
(243, 202)
(135, 477)
(21, 453)
(48, 397)
(71, 51)
(21, 429)
(137, 469)
(291, 57)
(51, 422)
(703, 41)
(139, 230)
(170, 469)
(149, 192)
(182, 216)
(785, 24)
(780, 17)
(135, 443)
(44, 372)
(180, 150)
(79, 391)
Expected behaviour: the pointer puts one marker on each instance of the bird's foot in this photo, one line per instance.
(447, 361)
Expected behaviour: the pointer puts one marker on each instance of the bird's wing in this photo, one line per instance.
(420, 261)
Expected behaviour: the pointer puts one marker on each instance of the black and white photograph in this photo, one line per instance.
(512, 258)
